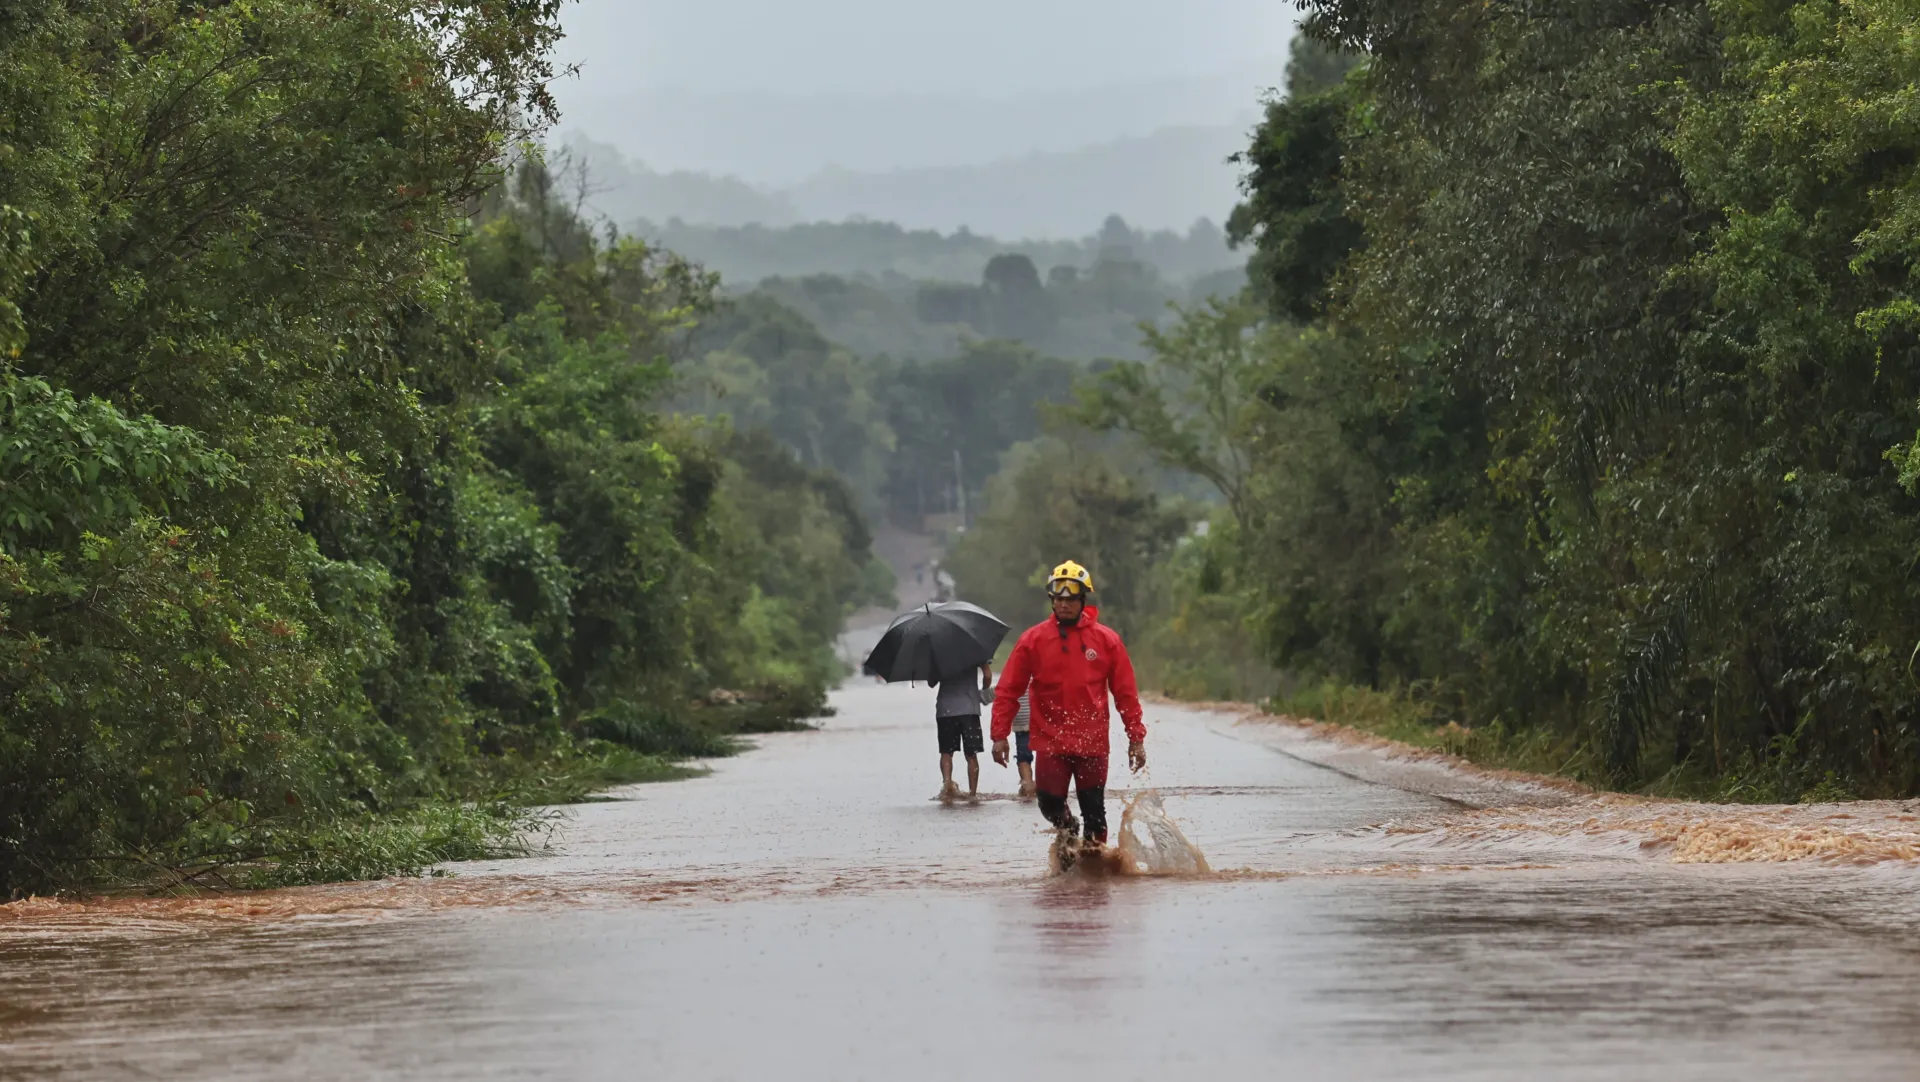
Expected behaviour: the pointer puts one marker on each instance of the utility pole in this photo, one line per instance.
(960, 487)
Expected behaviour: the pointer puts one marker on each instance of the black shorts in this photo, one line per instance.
(1023, 752)
(960, 730)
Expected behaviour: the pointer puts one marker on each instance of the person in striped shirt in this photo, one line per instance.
(1023, 754)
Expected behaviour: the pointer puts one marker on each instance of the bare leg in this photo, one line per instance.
(1026, 779)
(973, 775)
(947, 789)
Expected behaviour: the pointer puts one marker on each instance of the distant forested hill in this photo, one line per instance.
(883, 287)
(1167, 179)
(884, 250)
(1072, 311)
(608, 185)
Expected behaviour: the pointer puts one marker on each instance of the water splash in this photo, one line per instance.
(1152, 844)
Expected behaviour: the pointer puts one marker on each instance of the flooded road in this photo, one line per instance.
(808, 912)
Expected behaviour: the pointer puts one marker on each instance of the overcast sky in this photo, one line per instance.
(893, 46)
(776, 90)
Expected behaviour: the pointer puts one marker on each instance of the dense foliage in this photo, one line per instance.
(338, 506)
(1583, 412)
(910, 437)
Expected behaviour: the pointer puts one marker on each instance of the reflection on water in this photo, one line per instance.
(1782, 975)
(1515, 976)
(908, 940)
(1070, 916)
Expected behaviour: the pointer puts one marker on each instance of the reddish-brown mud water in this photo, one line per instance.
(808, 912)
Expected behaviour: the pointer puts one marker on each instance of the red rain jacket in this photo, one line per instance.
(1070, 672)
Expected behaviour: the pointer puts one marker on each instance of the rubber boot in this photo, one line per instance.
(1054, 808)
(1093, 808)
(1066, 846)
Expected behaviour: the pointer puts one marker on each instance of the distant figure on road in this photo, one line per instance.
(1022, 748)
(1064, 668)
(956, 711)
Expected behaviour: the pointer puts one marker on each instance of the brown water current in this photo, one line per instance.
(808, 911)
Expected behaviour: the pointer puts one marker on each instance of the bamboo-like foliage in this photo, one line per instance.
(1628, 356)
(339, 509)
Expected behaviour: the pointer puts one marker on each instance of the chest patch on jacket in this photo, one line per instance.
(1092, 655)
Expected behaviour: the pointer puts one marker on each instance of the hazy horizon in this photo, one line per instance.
(776, 95)
(879, 46)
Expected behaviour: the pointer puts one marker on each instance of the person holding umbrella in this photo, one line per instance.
(1065, 666)
(951, 645)
(956, 713)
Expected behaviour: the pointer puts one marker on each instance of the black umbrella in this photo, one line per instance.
(936, 642)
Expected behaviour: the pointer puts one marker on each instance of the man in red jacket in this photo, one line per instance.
(1071, 660)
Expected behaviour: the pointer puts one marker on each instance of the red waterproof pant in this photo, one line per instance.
(1051, 771)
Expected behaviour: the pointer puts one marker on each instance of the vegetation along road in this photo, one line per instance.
(369, 503)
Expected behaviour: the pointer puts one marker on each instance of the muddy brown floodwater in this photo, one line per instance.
(808, 912)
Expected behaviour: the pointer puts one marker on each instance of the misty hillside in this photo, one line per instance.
(1084, 312)
(1167, 179)
(621, 190)
(886, 251)
(779, 135)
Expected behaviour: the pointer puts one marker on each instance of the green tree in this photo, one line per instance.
(977, 404)
(1016, 302)
(1296, 214)
(1202, 405)
(1060, 499)
(1626, 334)
(338, 507)
(764, 365)
(220, 221)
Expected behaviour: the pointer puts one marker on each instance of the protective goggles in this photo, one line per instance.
(1065, 588)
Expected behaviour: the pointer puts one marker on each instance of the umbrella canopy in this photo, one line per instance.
(936, 642)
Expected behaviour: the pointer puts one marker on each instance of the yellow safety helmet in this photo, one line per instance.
(1069, 580)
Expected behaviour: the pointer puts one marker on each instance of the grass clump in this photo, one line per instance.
(660, 734)
(1780, 773)
(1401, 715)
(592, 767)
(406, 843)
